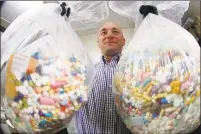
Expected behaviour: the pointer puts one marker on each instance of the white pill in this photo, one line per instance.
(36, 110)
(52, 107)
(20, 102)
(44, 111)
(37, 117)
(39, 95)
(46, 88)
(181, 78)
(38, 83)
(14, 104)
(30, 110)
(45, 94)
(25, 83)
(168, 88)
(29, 101)
(190, 88)
(52, 111)
(178, 116)
(52, 96)
(49, 107)
(176, 102)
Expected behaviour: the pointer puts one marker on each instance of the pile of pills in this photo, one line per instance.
(158, 92)
(48, 95)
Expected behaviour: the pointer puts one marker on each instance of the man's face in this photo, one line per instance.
(110, 39)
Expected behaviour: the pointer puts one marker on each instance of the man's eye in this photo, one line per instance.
(103, 33)
(116, 32)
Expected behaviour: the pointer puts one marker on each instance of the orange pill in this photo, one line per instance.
(38, 90)
(63, 108)
(29, 70)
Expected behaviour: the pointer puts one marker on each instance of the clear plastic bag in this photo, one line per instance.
(46, 71)
(172, 10)
(88, 14)
(157, 80)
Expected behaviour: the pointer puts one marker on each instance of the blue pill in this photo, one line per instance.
(61, 92)
(73, 73)
(29, 78)
(39, 69)
(79, 99)
(63, 103)
(23, 79)
(164, 101)
(154, 115)
(73, 59)
(48, 115)
(137, 84)
(18, 98)
(42, 123)
(121, 97)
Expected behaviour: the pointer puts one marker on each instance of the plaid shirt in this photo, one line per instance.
(99, 115)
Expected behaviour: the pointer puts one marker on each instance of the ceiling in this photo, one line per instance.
(18, 7)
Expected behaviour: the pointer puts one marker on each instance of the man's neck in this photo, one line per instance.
(108, 58)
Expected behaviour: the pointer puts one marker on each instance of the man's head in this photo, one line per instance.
(110, 39)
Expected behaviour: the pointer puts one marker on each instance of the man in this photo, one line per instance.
(99, 115)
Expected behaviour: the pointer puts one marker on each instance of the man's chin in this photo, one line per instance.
(111, 52)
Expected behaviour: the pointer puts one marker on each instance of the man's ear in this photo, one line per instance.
(124, 41)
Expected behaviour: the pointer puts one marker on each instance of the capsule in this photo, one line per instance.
(57, 85)
(171, 109)
(162, 112)
(162, 95)
(137, 94)
(192, 99)
(147, 104)
(147, 98)
(164, 106)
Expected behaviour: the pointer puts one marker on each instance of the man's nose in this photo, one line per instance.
(109, 35)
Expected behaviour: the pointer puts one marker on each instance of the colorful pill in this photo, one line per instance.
(164, 106)
(192, 99)
(137, 94)
(147, 104)
(57, 85)
(48, 115)
(23, 79)
(154, 115)
(176, 90)
(162, 112)
(164, 101)
(73, 59)
(29, 70)
(46, 101)
(38, 90)
(162, 95)
(175, 84)
(64, 102)
(198, 92)
(171, 109)
(185, 85)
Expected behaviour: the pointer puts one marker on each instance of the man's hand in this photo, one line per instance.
(146, 9)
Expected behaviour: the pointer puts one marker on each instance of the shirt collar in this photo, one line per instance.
(116, 58)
